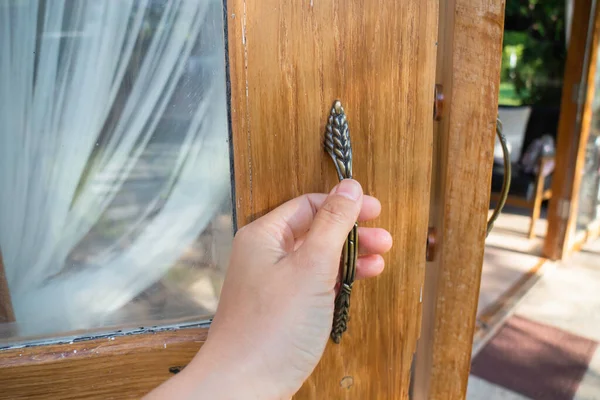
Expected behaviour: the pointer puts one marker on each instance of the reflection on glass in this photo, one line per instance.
(114, 164)
(588, 209)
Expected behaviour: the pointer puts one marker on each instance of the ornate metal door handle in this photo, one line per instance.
(337, 144)
(507, 177)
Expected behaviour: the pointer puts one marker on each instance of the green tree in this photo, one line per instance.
(535, 38)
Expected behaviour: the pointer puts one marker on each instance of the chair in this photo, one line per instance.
(529, 190)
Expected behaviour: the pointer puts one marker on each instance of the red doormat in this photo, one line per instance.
(536, 360)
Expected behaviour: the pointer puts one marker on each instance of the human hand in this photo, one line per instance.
(276, 307)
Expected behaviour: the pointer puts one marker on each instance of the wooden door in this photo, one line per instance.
(287, 62)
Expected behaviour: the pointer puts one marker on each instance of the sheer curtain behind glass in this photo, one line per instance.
(113, 152)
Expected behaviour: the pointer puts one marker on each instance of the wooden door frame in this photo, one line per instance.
(573, 130)
(469, 61)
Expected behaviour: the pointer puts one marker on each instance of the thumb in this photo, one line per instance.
(334, 220)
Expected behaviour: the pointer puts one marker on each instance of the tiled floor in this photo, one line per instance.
(565, 300)
(509, 255)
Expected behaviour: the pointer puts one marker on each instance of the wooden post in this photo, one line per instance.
(572, 132)
(469, 59)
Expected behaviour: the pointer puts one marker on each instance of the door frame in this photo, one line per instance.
(573, 131)
(468, 68)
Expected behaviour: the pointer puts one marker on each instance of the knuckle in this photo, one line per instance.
(243, 233)
(337, 211)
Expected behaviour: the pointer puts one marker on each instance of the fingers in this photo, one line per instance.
(331, 224)
(369, 266)
(297, 215)
(373, 241)
(371, 208)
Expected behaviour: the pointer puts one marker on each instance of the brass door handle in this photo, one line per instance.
(507, 176)
(339, 147)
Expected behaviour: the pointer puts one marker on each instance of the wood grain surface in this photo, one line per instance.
(120, 367)
(572, 136)
(469, 57)
(289, 62)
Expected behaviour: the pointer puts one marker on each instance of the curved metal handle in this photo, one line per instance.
(337, 144)
(505, 182)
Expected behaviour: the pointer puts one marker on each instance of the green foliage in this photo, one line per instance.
(535, 38)
(508, 95)
(541, 18)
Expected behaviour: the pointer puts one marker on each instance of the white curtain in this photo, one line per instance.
(89, 90)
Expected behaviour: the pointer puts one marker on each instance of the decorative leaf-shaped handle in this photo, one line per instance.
(337, 144)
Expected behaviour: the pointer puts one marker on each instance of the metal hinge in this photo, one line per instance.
(564, 209)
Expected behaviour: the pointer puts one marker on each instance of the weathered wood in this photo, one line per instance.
(119, 367)
(469, 56)
(572, 137)
(289, 62)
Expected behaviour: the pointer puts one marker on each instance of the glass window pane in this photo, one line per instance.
(114, 163)
(589, 195)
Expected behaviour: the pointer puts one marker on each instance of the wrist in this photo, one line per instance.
(221, 372)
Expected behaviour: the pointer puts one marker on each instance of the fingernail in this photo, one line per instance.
(349, 188)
